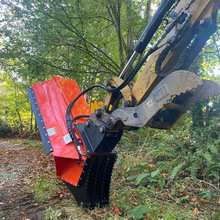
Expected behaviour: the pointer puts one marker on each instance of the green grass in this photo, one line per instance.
(152, 179)
(27, 142)
(67, 209)
(46, 186)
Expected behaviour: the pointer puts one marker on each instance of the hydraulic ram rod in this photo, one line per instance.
(149, 32)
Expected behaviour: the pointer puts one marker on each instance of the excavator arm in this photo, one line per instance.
(83, 143)
(190, 26)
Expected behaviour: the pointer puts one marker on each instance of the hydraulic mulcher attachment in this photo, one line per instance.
(88, 177)
(83, 143)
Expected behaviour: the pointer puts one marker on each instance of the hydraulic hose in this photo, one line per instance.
(148, 33)
(153, 25)
(140, 46)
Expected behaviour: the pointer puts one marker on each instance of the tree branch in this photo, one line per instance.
(217, 49)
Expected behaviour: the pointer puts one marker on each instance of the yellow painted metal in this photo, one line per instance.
(96, 104)
(200, 10)
(148, 79)
(126, 91)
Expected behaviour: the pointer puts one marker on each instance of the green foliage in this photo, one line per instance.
(156, 166)
(176, 170)
(140, 211)
(52, 214)
(5, 129)
(45, 186)
(161, 157)
(196, 156)
(28, 142)
(161, 182)
(14, 104)
(79, 39)
(87, 41)
(206, 195)
(83, 40)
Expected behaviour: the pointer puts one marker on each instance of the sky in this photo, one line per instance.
(217, 71)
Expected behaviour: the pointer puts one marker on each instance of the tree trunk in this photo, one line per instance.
(114, 10)
(31, 125)
(207, 113)
(17, 109)
(130, 39)
(35, 126)
(147, 17)
(197, 115)
(148, 11)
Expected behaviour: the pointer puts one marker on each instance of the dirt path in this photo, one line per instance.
(18, 165)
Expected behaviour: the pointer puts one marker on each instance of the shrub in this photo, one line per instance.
(5, 129)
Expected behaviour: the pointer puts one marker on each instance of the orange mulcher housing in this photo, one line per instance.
(49, 100)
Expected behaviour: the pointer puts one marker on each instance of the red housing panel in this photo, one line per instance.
(53, 97)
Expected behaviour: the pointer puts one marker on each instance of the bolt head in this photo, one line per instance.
(87, 123)
(127, 103)
(109, 121)
(102, 129)
(202, 22)
(98, 113)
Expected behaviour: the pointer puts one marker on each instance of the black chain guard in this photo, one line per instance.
(94, 185)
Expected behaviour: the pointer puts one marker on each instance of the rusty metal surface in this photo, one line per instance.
(176, 83)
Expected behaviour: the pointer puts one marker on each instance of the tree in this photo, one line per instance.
(85, 40)
(77, 37)
(204, 66)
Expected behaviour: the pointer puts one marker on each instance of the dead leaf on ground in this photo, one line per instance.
(204, 202)
(184, 193)
(115, 209)
(96, 213)
(151, 165)
(194, 199)
(196, 212)
(164, 175)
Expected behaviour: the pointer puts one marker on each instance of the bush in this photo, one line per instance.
(177, 154)
(5, 129)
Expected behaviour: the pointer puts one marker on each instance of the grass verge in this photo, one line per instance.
(150, 181)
